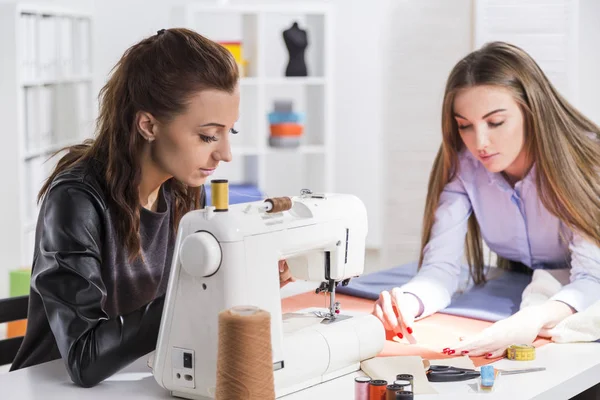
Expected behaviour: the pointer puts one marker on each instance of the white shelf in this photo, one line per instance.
(257, 151)
(274, 81)
(309, 149)
(47, 104)
(306, 8)
(58, 11)
(249, 81)
(246, 151)
(49, 149)
(259, 28)
(56, 81)
(309, 81)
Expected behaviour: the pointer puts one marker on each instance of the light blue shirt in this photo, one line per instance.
(514, 224)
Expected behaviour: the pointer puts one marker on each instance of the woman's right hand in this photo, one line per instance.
(397, 311)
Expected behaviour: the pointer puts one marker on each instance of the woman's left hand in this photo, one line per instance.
(520, 328)
(285, 276)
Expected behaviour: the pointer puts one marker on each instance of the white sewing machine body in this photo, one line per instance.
(230, 258)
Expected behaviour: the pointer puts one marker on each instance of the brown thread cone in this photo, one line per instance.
(245, 356)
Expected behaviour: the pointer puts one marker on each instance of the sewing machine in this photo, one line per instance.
(227, 256)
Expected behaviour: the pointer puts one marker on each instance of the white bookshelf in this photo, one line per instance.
(276, 171)
(47, 104)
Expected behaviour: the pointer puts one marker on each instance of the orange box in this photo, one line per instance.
(19, 286)
(287, 129)
(16, 328)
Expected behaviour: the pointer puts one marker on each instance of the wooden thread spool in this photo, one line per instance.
(244, 356)
(279, 204)
(220, 194)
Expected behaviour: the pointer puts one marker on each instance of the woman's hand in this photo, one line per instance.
(397, 311)
(285, 276)
(520, 328)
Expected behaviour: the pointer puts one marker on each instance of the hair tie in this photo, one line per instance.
(160, 32)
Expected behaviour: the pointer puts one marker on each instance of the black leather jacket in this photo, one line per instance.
(88, 303)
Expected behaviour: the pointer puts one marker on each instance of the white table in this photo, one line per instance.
(570, 369)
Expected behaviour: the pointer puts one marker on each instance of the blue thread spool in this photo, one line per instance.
(487, 378)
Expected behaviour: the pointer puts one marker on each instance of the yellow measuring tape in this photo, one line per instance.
(521, 352)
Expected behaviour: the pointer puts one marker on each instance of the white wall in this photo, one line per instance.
(589, 59)
(426, 39)
(359, 90)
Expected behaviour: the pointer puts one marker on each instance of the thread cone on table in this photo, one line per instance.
(244, 355)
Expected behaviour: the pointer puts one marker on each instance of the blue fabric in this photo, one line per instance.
(497, 299)
(238, 194)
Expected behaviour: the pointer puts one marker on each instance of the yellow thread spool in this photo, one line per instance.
(220, 194)
(521, 352)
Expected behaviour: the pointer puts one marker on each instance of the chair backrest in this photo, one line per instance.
(12, 309)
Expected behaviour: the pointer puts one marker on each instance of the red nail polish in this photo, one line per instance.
(489, 354)
(465, 352)
(452, 352)
(447, 349)
(409, 330)
(400, 335)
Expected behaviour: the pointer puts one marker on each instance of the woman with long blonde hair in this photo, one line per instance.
(518, 168)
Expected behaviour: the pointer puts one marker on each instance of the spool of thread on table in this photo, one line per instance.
(407, 377)
(244, 355)
(405, 395)
(377, 389)
(391, 390)
(487, 378)
(219, 192)
(278, 204)
(361, 388)
(405, 384)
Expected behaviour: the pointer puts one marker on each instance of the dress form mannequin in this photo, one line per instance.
(296, 42)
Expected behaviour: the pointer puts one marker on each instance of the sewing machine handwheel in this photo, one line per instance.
(200, 254)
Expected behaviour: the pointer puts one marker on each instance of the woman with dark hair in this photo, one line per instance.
(111, 208)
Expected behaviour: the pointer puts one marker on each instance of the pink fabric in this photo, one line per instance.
(433, 333)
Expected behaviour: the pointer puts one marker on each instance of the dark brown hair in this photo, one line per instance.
(158, 75)
(562, 142)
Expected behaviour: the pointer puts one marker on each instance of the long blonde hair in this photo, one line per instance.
(556, 137)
